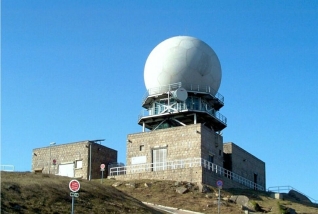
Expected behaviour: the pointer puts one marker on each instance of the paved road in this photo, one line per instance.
(170, 209)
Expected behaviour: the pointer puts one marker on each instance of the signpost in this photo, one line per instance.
(74, 186)
(219, 184)
(102, 169)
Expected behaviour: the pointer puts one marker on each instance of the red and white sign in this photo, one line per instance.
(102, 166)
(74, 185)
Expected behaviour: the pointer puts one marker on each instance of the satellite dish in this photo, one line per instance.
(180, 94)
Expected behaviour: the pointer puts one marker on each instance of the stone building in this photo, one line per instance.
(243, 163)
(79, 159)
(181, 123)
(191, 153)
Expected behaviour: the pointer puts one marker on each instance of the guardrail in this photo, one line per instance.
(181, 107)
(7, 168)
(188, 87)
(184, 163)
(286, 189)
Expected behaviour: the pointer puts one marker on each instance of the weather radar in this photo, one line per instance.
(182, 76)
(182, 59)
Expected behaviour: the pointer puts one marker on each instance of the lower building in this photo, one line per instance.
(240, 162)
(82, 159)
(193, 153)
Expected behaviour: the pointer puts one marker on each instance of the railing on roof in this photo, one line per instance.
(7, 168)
(181, 107)
(184, 163)
(189, 87)
(286, 189)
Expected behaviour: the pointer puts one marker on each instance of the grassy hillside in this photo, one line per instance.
(37, 193)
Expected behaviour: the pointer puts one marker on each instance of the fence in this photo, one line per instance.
(184, 163)
(188, 87)
(286, 189)
(7, 168)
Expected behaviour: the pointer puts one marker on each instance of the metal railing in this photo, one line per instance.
(184, 163)
(286, 189)
(189, 87)
(182, 107)
(7, 168)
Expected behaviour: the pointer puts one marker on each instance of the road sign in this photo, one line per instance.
(74, 194)
(102, 166)
(74, 185)
(219, 183)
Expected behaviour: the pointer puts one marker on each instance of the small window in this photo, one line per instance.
(141, 148)
(211, 158)
(79, 164)
(220, 152)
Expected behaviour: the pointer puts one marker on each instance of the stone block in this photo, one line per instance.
(181, 190)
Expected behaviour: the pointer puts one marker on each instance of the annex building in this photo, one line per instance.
(77, 160)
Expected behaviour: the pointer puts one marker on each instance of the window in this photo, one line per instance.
(141, 148)
(159, 159)
(79, 164)
(211, 158)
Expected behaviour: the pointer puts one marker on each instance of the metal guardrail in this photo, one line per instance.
(181, 107)
(184, 163)
(7, 168)
(286, 189)
(189, 87)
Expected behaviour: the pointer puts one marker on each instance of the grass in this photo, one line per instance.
(37, 193)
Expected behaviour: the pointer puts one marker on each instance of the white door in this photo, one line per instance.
(159, 158)
(66, 170)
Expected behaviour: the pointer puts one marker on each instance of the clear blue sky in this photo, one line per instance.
(73, 70)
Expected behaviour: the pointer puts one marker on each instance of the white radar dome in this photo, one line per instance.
(183, 59)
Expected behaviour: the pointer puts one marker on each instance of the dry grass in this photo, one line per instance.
(164, 193)
(37, 193)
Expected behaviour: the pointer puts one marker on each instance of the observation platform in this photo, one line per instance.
(203, 91)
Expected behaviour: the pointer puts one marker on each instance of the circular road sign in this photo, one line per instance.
(74, 185)
(102, 166)
(219, 183)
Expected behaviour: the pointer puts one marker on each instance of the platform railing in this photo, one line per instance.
(286, 189)
(184, 163)
(181, 107)
(7, 168)
(189, 87)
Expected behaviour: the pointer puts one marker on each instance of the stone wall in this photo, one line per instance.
(210, 178)
(193, 175)
(211, 145)
(42, 158)
(188, 142)
(192, 141)
(102, 155)
(196, 175)
(245, 164)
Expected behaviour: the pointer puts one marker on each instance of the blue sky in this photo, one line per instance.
(73, 70)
